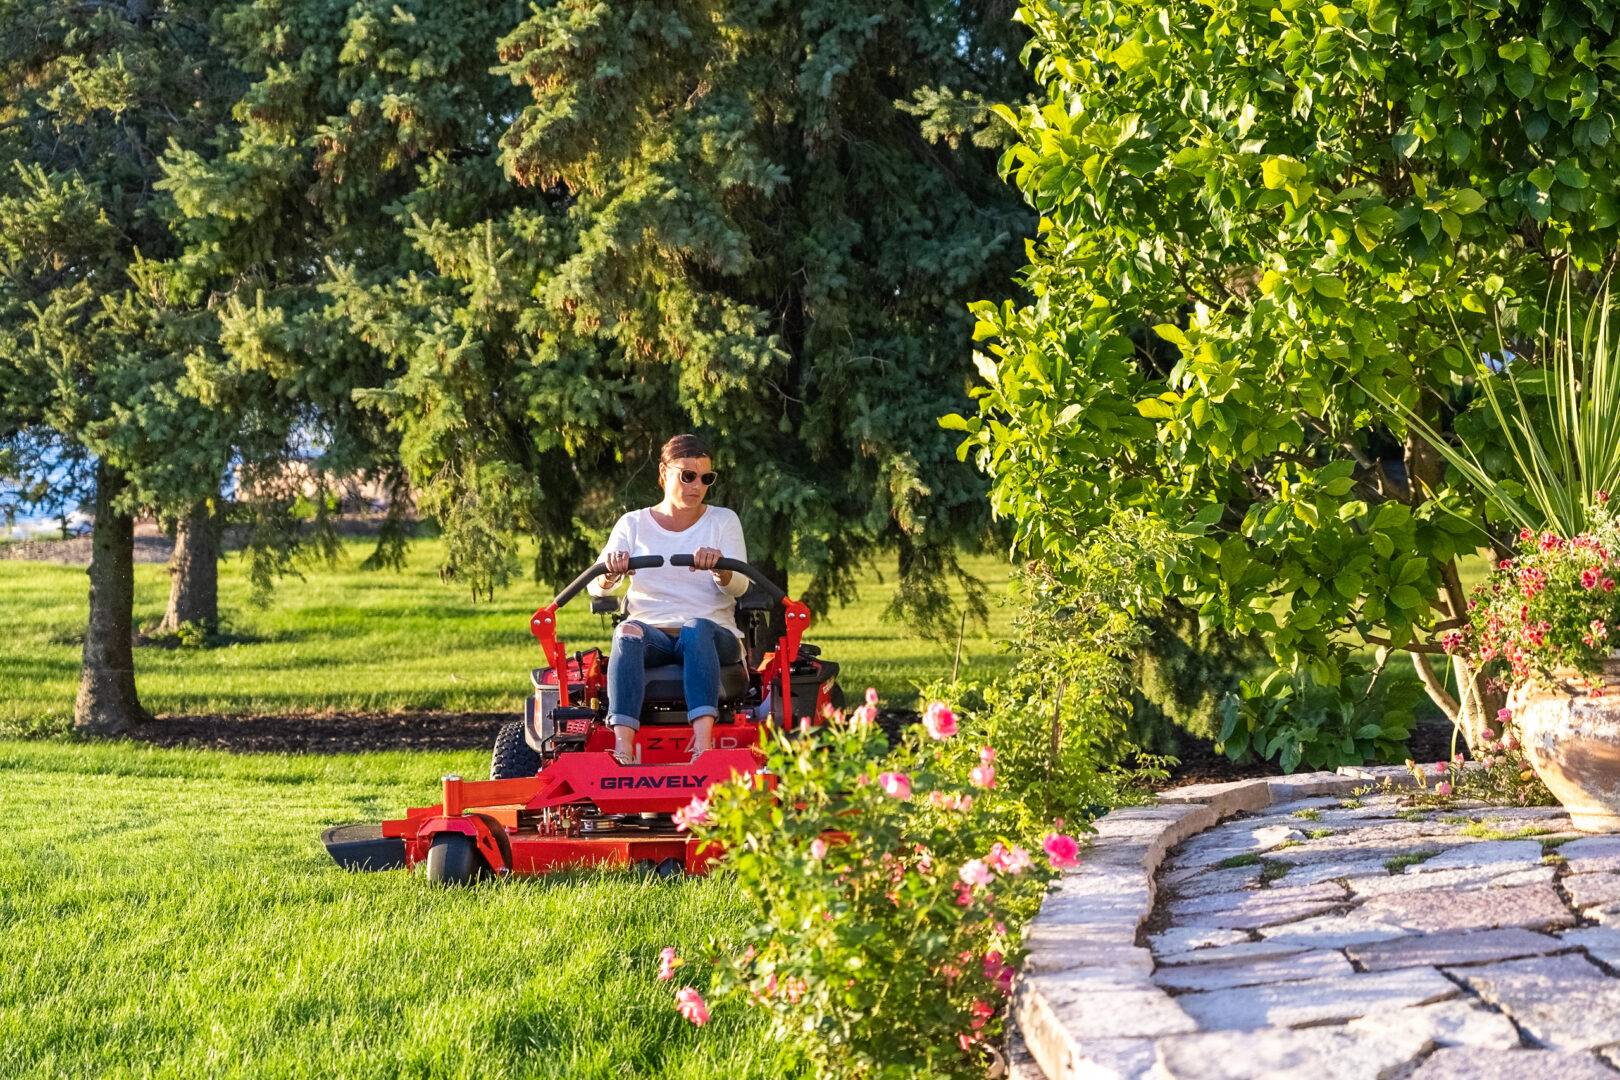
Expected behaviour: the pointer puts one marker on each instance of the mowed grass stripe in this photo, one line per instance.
(348, 639)
(172, 913)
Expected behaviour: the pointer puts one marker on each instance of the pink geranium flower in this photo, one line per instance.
(975, 872)
(667, 963)
(983, 776)
(1061, 850)
(690, 1004)
(895, 785)
(693, 813)
(939, 721)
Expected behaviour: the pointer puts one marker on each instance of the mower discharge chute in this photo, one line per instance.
(558, 798)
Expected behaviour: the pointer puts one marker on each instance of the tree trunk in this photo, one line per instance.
(194, 572)
(107, 704)
(1475, 704)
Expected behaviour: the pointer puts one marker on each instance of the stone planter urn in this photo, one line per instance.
(1572, 739)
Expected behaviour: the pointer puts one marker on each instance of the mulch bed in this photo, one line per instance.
(349, 732)
(326, 733)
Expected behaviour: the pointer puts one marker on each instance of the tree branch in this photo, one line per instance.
(1435, 688)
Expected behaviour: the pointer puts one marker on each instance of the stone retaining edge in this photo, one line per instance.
(1085, 1005)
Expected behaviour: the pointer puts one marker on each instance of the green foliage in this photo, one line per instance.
(1058, 716)
(870, 953)
(1314, 207)
(93, 354)
(1180, 676)
(1299, 721)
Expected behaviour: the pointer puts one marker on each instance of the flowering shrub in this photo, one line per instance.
(890, 889)
(1551, 606)
(1502, 775)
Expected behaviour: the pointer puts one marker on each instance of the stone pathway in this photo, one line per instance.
(1317, 932)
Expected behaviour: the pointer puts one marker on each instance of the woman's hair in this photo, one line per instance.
(682, 446)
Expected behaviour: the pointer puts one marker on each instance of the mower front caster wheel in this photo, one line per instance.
(454, 860)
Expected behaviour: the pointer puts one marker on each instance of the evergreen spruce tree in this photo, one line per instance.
(357, 120)
(95, 356)
(758, 220)
(537, 242)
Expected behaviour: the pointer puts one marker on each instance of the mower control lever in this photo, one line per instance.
(637, 562)
(737, 566)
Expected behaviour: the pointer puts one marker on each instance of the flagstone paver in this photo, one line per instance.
(1563, 1002)
(1453, 947)
(1534, 907)
(1478, 1063)
(1282, 927)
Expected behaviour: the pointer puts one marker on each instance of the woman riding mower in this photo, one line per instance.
(673, 614)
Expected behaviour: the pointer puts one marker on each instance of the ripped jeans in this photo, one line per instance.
(701, 647)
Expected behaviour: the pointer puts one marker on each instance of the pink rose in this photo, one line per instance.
(939, 721)
(983, 776)
(690, 1004)
(895, 785)
(1005, 860)
(1061, 850)
(975, 872)
(871, 695)
(1443, 788)
(695, 812)
(987, 756)
(667, 963)
(818, 848)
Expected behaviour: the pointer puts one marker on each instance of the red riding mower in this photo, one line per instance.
(558, 798)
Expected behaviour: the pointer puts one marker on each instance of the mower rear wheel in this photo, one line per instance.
(513, 757)
(454, 860)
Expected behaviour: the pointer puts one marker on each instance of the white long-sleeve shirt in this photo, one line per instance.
(669, 595)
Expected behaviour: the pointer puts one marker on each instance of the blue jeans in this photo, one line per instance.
(700, 648)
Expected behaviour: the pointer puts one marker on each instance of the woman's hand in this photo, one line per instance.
(704, 559)
(618, 565)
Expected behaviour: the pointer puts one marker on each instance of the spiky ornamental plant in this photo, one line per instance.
(92, 350)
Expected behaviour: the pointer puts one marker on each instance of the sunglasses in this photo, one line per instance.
(689, 475)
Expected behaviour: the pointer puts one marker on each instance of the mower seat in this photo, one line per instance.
(665, 687)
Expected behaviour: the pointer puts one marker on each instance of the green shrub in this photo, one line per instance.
(1298, 720)
(871, 951)
(1181, 674)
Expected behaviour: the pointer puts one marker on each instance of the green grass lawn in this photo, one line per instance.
(347, 639)
(172, 913)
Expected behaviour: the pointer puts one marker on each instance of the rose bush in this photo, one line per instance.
(890, 890)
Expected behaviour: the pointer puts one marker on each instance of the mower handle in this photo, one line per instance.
(637, 562)
(737, 566)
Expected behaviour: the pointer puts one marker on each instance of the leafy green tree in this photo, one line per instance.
(1318, 208)
(752, 219)
(93, 355)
